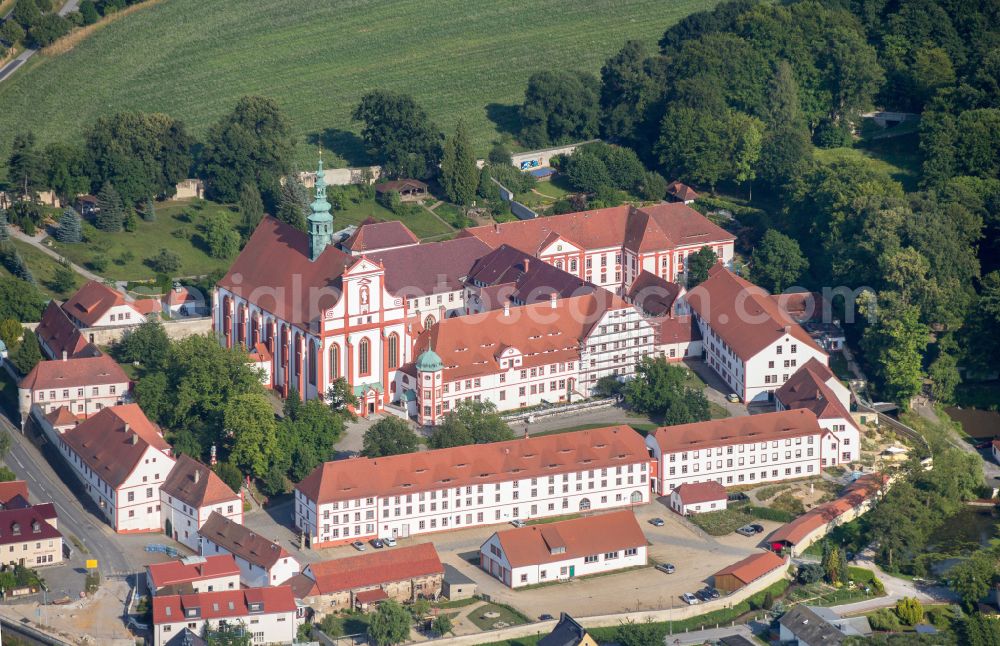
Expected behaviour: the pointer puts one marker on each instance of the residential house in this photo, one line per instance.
(745, 571)
(59, 338)
(268, 614)
(85, 386)
(122, 459)
(814, 387)
(193, 574)
(567, 632)
(96, 305)
(13, 493)
(698, 497)
(361, 581)
(29, 534)
(262, 562)
(189, 495)
(468, 486)
(747, 339)
(682, 193)
(803, 627)
(563, 550)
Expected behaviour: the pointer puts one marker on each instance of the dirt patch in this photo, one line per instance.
(94, 620)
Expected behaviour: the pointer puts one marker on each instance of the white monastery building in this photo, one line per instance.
(268, 614)
(468, 486)
(564, 550)
(189, 495)
(83, 385)
(816, 388)
(262, 562)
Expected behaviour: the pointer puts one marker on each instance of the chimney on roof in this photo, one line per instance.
(197, 476)
(788, 329)
(506, 309)
(526, 264)
(135, 439)
(65, 356)
(552, 300)
(496, 227)
(127, 427)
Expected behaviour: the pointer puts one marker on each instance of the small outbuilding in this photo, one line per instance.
(698, 497)
(456, 585)
(408, 189)
(748, 570)
(679, 192)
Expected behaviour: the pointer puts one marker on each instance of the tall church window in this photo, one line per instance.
(364, 365)
(428, 322)
(393, 350)
(334, 362)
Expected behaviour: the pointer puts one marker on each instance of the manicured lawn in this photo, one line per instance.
(43, 267)
(720, 523)
(551, 519)
(194, 59)
(458, 603)
(418, 220)
(340, 625)
(507, 614)
(176, 228)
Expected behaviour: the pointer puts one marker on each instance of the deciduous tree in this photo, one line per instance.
(399, 134)
(777, 262)
(560, 107)
(389, 436)
(251, 207)
(470, 422)
(27, 354)
(659, 389)
(390, 624)
(249, 421)
(698, 265)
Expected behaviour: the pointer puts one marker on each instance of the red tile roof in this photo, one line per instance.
(370, 596)
(260, 353)
(431, 268)
(147, 306)
(71, 373)
(804, 306)
(22, 524)
(543, 332)
(242, 541)
(737, 430)
(745, 316)
(195, 484)
(528, 280)
(177, 296)
(675, 329)
(191, 569)
(57, 331)
(373, 235)
(753, 567)
(661, 226)
(13, 488)
(857, 493)
(92, 301)
(807, 388)
(113, 441)
(61, 417)
(376, 568)
(168, 609)
(693, 493)
(576, 538)
(475, 464)
(681, 191)
(652, 294)
(275, 244)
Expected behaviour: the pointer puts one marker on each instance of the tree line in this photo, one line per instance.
(37, 23)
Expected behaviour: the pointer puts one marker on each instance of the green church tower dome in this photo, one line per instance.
(429, 361)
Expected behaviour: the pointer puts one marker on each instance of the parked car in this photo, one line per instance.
(733, 398)
(758, 528)
(984, 445)
(747, 530)
(377, 543)
(701, 596)
(545, 617)
(656, 522)
(358, 545)
(666, 567)
(389, 542)
(517, 523)
(712, 593)
(690, 599)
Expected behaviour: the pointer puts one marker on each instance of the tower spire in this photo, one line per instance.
(320, 220)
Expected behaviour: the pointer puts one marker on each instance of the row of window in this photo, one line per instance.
(95, 391)
(752, 476)
(740, 461)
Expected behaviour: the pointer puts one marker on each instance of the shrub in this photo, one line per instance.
(910, 611)
(89, 12)
(810, 572)
(166, 262)
(49, 28)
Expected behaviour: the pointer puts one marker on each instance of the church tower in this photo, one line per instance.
(320, 220)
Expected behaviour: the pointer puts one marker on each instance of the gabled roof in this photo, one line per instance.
(474, 464)
(374, 568)
(865, 487)
(191, 569)
(399, 185)
(544, 333)
(744, 316)
(571, 539)
(61, 417)
(737, 430)
(113, 441)
(22, 524)
(652, 294)
(222, 604)
(528, 279)
(753, 567)
(12, 488)
(241, 541)
(374, 235)
(681, 191)
(675, 329)
(568, 632)
(431, 268)
(92, 301)
(57, 332)
(101, 370)
(693, 493)
(810, 628)
(274, 270)
(147, 306)
(195, 484)
(807, 388)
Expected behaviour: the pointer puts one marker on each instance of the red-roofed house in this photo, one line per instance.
(59, 337)
(698, 497)
(748, 339)
(745, 571)
(262, 562)
(564, 550)
(468, 486)
(735, 451)
(28, 535)
(11, 489)
(97, 305)
(403, 574)
(194, 574)
(188, 497)
(609, 247)
(814, 387)
(84, 385)
(122, 459)
(269, 614)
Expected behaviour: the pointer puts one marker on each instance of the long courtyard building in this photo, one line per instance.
(468, 486)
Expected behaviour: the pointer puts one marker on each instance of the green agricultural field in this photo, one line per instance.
(194, 58)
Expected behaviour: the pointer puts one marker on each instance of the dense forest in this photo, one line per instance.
(743, 96)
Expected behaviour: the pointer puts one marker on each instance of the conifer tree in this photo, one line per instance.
(4, 229)
(293, 207)
(149, 210)
(112, 212)
(70, 229)
(459, 175)
(251, 207)
(27, 354)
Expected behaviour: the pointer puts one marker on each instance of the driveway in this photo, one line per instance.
(36, 242)
(717, 390)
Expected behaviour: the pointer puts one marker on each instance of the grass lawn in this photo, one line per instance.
(419, 221)
(722, 522)
(717, 411)
(896, 157)
(643, 428)
(551, 519)
(766, 493)
(458, 603)
(317, 59)
(176, 228)
(507, 614)
(340, 625)
(43, 267)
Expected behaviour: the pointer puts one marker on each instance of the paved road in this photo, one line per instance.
(36, 242)
(44, 484)
(13, 66)
(895, 589)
